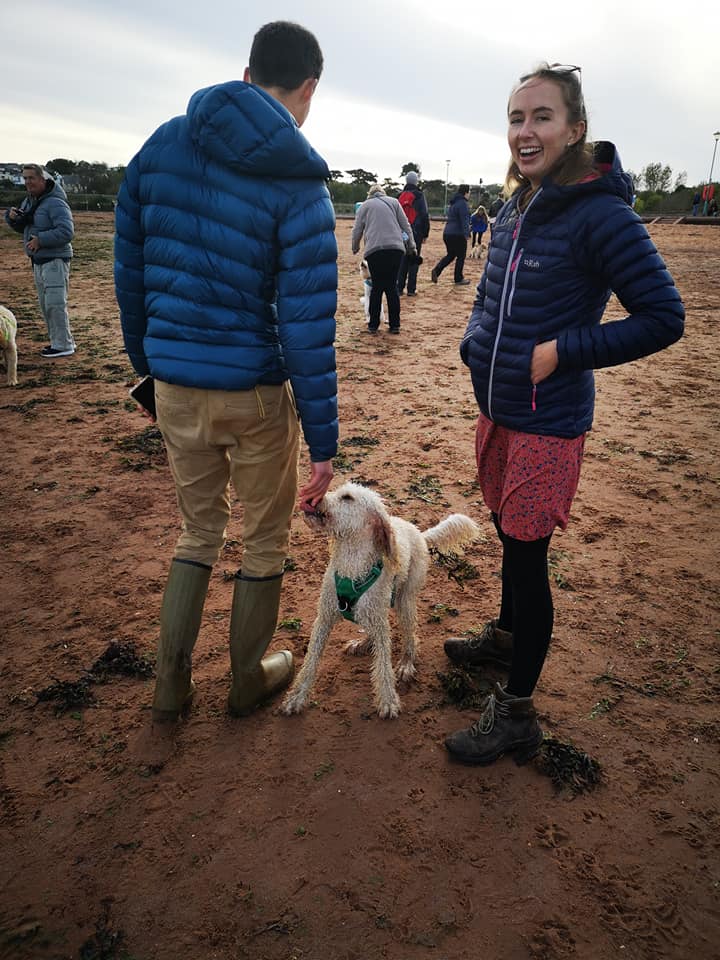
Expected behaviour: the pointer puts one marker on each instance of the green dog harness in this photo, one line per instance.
(349, 591)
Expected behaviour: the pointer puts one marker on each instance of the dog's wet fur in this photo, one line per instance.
(361, 532)
(8, 346)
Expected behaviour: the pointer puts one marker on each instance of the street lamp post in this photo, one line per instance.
(712, 164)
(447, 174)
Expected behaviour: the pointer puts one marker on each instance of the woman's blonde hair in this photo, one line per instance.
(481, 209)
(576, 162)
(375, 191)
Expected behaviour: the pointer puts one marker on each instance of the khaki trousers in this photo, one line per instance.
(249, 437)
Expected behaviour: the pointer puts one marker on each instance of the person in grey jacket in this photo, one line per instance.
(455, 237)
(46, 223)
(388, 237)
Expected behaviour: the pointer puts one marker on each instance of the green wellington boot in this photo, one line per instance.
(252, 624)
(180, 618)
(508, 725)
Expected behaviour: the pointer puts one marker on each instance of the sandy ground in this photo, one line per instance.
(336, 835)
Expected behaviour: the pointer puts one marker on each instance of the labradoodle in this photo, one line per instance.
(8, 334)
(376, 561)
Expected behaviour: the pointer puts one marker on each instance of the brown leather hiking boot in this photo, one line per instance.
(491, 645)
(507, 725)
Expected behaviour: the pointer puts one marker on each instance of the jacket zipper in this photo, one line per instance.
(511, 268)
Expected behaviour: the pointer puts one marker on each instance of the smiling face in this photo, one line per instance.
(34, 182)
(539, 131)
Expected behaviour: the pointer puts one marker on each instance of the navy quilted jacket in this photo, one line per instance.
(550, 273)
(225, 256)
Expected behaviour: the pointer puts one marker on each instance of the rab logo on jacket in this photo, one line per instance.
(532, 264)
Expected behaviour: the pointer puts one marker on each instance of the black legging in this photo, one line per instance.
(384, 266)
(526, 608)
(409, 270)
(456, 247)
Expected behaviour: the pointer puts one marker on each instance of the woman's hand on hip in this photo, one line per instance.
(544, 361)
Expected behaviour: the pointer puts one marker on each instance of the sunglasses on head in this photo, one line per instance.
(565, 68)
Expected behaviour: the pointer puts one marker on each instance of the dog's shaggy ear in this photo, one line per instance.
(384, 537)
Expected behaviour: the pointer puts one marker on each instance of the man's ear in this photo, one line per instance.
(308, 88)
(246, 75)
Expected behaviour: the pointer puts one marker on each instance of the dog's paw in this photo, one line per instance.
(389, 710)
(406, 672)
(358, 648)
(293, 703)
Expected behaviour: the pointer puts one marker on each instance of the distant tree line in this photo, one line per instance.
(350, 186)
(95, 185)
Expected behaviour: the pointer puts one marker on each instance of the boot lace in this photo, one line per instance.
(480, 639)
(494, 709)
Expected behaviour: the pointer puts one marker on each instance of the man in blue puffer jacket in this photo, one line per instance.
(226, 278)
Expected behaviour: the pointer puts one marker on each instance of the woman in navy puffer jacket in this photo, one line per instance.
(564, 242)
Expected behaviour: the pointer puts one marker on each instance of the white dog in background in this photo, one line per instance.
(8, 334)
(367, 287)
(375, 561)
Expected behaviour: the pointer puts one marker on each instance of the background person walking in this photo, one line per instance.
(413, 202)
(478, 226)
(387, 236)
(455, 237)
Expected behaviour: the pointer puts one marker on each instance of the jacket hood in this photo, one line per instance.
(55, 190)
(52, 189)
(611, 179)
(242, 127)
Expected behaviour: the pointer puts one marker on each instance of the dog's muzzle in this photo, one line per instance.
(315, 519)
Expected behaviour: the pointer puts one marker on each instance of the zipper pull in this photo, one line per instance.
(534, 394)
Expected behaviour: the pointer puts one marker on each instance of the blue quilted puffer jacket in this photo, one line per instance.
(550, 273)
(225, 256)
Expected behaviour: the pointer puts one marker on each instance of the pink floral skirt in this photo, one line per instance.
(528, 480)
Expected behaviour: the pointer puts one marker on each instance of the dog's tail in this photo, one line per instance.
(452, 533)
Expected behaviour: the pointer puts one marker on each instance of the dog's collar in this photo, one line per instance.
(349, 591)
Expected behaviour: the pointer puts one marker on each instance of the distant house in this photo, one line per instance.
(71, 183)
(13, 173)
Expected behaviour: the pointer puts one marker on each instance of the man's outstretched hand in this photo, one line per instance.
(321, 474)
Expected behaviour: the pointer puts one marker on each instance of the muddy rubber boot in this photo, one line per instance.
(256, 603)
(180, 617)
(492, 645)
(508, 725)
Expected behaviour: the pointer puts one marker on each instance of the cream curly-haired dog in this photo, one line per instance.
(8, 333)
(375, 561)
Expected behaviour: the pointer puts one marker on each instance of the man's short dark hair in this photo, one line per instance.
(284, 55)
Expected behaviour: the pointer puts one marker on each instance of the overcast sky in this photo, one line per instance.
(425, 81)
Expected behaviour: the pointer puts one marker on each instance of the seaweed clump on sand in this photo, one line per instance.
(123, 659)
(458, 568)
(68, 694)
(568, 767)
(118, 659)
(464, 690)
